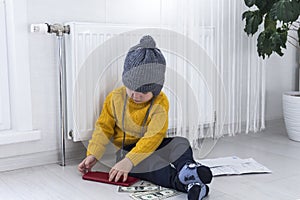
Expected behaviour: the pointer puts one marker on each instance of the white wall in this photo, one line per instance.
(281, 76)
(44, 73)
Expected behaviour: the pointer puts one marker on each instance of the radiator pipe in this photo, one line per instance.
(60, 31)
(63, 96)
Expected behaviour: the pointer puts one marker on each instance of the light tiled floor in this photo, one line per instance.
(271, 148)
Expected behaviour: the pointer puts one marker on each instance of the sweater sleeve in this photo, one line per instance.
(104, 130)
(156, 131)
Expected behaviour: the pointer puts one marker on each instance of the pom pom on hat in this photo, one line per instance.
(147, 42)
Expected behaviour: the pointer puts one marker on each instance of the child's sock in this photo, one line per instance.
(197, 191)
(194, 173)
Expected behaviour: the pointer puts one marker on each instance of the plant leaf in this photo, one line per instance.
(261, 4)
(278, 41)
(264, 44)
(253, 20)
(269, 23)
(265, 5)
(285, 10)
(296, 4)
(270, 41)
(273, 13)
(249, 3)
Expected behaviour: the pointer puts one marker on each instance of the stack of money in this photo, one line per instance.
(155, 195)
(147, 191)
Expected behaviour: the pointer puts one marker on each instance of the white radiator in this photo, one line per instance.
(94, 67)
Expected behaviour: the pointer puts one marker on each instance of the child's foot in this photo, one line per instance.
(197, 191)
(194, 173)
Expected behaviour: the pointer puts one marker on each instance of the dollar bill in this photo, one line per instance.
(139, 188)
(155, 195)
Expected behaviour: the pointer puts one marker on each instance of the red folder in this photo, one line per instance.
(103, 177)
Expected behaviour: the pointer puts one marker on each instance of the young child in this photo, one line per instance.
(135, 118)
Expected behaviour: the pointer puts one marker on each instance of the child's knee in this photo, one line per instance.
(182, 140)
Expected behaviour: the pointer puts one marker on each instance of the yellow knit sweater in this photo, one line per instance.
(108, 126)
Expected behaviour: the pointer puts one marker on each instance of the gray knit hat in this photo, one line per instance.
(144, 67)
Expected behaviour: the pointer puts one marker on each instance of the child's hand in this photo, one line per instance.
(87, 164)
(121, 168)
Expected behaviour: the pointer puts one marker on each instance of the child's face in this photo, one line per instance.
(139, 97)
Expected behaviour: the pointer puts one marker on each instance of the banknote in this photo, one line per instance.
(139, 188)
(155, 195)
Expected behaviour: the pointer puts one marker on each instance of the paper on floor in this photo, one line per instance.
(234, 165)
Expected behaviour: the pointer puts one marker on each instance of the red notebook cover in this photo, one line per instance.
(103, 177)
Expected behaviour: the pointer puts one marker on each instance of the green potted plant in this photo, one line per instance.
(277, 22)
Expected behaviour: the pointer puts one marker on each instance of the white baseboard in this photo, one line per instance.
(40, 158)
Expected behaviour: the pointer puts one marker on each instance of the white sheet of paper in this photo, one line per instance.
(234, 166)
(223, 161)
